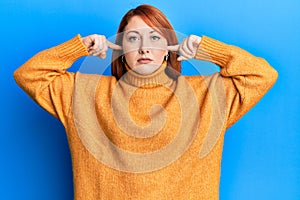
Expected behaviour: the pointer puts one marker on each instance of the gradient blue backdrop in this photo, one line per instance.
(261, 158)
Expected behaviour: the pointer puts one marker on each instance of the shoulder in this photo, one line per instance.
(199, 80)
(94, 77)
(93, 81)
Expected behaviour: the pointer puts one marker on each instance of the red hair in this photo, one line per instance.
(154, 18)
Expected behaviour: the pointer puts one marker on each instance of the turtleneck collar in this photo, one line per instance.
(157, 78)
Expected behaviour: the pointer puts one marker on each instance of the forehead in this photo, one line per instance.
(136, 23)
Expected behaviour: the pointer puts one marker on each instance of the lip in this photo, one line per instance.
(144, 60)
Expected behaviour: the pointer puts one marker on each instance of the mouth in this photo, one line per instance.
(144, 60)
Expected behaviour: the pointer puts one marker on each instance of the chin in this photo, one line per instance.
(146, 69)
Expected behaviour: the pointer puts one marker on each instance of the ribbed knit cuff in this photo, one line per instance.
(72, 49)
(213, 51)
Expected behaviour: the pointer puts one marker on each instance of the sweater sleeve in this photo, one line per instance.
(45, 79)
(246, 78)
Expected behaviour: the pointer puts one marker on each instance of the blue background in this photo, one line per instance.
(261, 158)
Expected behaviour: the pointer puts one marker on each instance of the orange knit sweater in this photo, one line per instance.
(146, 137)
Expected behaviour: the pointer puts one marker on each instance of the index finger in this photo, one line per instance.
(173, 48)
(113, 46)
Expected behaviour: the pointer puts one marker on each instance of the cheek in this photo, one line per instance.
(129, 53)
(159, 55)
(131, 57)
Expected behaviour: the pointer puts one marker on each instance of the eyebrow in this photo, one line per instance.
(139, 32)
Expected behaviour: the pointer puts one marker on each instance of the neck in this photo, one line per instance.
(158, 77)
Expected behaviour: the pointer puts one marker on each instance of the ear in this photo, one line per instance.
(167, 53)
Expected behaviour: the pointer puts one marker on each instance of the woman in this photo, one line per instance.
(146, 132)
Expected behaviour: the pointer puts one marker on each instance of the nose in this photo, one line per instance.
(143, 51)
(144, 47)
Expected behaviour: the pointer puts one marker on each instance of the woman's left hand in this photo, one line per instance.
(187, 48)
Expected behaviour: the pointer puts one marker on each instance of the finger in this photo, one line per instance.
(100, 42)
(113, 46)
(99, 52)
(180, 58)
(103, 50)
(190, 44)
(103, 41)
(185, 54)
(173, 48)
(95, 42)
(185, 48)
(86, 41)
(102, 55)
(90, 48)
(92, 52)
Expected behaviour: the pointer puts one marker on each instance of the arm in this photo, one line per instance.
(45, 79)
(246, 78)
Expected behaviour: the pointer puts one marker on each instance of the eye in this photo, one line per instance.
(133, 38)
(155, 37)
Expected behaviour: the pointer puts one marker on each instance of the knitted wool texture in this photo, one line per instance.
(122, 146)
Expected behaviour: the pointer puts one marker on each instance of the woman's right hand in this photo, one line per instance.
(97, 45)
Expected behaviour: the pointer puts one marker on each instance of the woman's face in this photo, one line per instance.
(143, 47)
